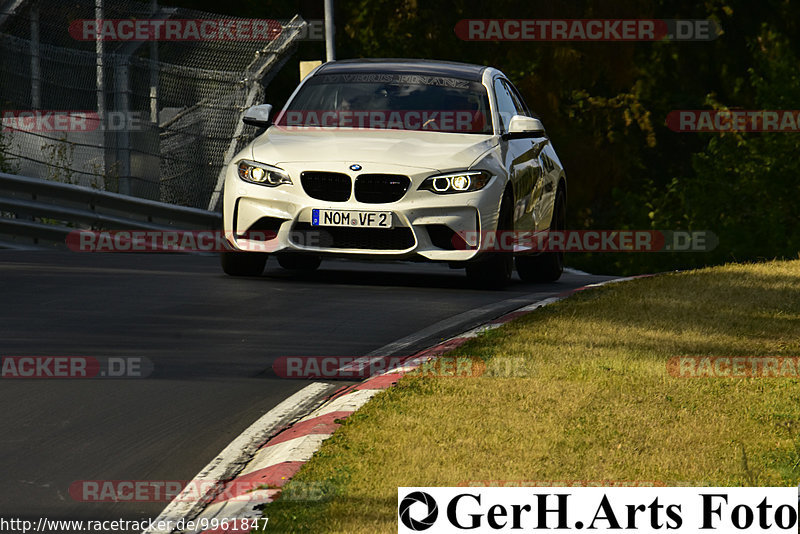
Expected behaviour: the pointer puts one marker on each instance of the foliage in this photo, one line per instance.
(8, 163)
(605, 106)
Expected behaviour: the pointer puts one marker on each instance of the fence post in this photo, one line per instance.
(36, 77)
(123, 136)
(154, 96)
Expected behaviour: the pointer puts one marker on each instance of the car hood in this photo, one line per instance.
(428, 150)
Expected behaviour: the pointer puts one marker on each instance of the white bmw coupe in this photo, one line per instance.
(400, 160)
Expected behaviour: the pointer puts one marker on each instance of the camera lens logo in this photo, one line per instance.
(405, 511)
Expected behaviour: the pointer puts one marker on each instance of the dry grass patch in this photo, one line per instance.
(597, 403)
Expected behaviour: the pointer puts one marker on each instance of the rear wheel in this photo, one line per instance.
(547, 266)
(494, 271)
(299, 262)
(243, 263)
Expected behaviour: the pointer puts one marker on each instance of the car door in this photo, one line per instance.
(544, 205)
(521, 158)
(544, 170)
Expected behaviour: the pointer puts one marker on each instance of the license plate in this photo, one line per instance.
(353, 219)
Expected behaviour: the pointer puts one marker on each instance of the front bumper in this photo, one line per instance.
(425, 224)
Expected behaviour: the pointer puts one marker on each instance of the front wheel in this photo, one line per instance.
(243, 263)
(494, 271)
(546, 266)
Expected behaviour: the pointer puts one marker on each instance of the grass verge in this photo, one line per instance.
(597, 403)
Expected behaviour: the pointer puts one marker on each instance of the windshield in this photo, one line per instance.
(390, 101)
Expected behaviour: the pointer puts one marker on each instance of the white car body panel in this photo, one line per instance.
(415, 154)
(429, 150)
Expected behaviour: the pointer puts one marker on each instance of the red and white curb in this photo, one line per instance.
(273, 463)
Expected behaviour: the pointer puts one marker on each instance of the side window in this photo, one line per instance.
(506, 106)
(519, 104)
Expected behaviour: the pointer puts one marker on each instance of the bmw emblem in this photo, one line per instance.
(355, 167)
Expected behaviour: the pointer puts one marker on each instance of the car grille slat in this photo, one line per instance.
(381, 188)
(330, 186)
(398, 238)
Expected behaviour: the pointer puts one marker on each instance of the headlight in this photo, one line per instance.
(262, 174)
(456, 182)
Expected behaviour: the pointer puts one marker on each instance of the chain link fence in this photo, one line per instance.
(154, 117)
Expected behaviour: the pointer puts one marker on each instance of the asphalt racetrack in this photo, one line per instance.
(211, 340)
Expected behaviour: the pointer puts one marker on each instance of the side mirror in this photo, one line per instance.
(258, 116)
(521, 126)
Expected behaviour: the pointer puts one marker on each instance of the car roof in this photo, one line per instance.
(450, 69)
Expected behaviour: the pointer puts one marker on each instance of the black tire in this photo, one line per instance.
(243, 263)
(547, 266)
(494, 271)
(299, 262)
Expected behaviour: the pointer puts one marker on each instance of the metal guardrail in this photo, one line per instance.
(35, 213)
